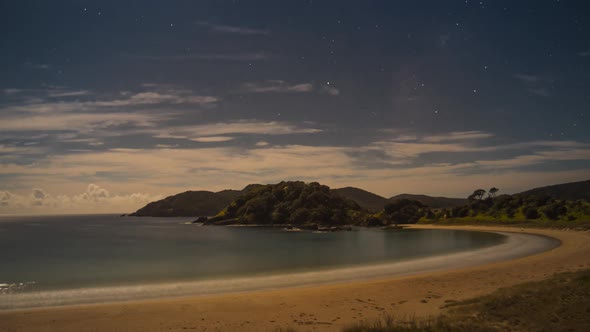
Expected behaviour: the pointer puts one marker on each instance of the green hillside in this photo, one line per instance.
(432, 202)
(567, 191)
(293, 202)
(186, 204)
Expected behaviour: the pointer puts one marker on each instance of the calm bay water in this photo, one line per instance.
(71, 252)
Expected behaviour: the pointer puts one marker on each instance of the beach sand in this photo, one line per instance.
(313, 308)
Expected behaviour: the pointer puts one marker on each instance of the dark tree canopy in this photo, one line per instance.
(404, 211)
(293, 202)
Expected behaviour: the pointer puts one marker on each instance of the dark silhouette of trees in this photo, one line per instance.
(293, 202)
(492, 192)
(404, 211)
(477, 195)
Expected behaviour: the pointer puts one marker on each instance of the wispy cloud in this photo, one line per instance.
(543, 92)
(277, 86)
(536, 85)
(212, 139)
(584, 53)
(232, 29)
(235, 56)
(527, 78)
(280, 86)
(74, 121)
(61, 94)
(151, 98)
(458, 136)
(12, 91)
(226, 129)
(40, 66)
(332, 91)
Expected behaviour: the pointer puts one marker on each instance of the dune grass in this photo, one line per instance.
(560, 303)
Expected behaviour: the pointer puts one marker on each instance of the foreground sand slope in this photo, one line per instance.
(318, 308)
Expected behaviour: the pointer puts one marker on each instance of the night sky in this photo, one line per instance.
(106, 105)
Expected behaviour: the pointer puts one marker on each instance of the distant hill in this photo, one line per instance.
(186, 204)
(365, 199)
(567, 191)
(229, 194)
(432, 202)
(192, 203)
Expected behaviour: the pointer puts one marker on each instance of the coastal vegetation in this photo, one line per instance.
(294, 203)
(560, 303)
(314, 205)
(533, 207)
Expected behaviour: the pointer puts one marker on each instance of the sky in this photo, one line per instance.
(108, 105)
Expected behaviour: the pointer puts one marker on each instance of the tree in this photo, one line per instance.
(531, 213)
(477, 195)
(492, 192)
(404, 211)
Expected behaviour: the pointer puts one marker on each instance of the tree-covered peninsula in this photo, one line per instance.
(292, 202)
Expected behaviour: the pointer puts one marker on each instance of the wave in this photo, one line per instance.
(14, 287)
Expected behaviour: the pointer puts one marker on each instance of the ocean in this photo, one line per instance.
(55, 260)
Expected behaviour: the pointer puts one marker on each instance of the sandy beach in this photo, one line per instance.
(314, 308)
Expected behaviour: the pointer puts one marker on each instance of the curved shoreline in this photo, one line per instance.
(326, 307)
(515, 245)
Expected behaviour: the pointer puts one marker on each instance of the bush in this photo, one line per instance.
(531, 213)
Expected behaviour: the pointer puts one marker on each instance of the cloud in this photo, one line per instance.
(12, 91)
(167, 97)
(231, 29)
(46, 113)
(244, 127)
(212, 139)
(535, 84)
(540, 92)
(536, 158)
(276, 86)
(527, 78)
(431, 164)
(332, 91)
(152, 98)
(77, 122)
(39, 66)
(94, 199)
(235, 56)
(280, 86)
(58, 94)
(584, 53)
(458, 136)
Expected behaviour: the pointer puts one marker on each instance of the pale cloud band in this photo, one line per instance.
(93, 200)
(170, 170)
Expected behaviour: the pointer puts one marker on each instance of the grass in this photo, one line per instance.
(560, 303)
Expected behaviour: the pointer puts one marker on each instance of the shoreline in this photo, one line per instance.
(321, 307)
(514, 245)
